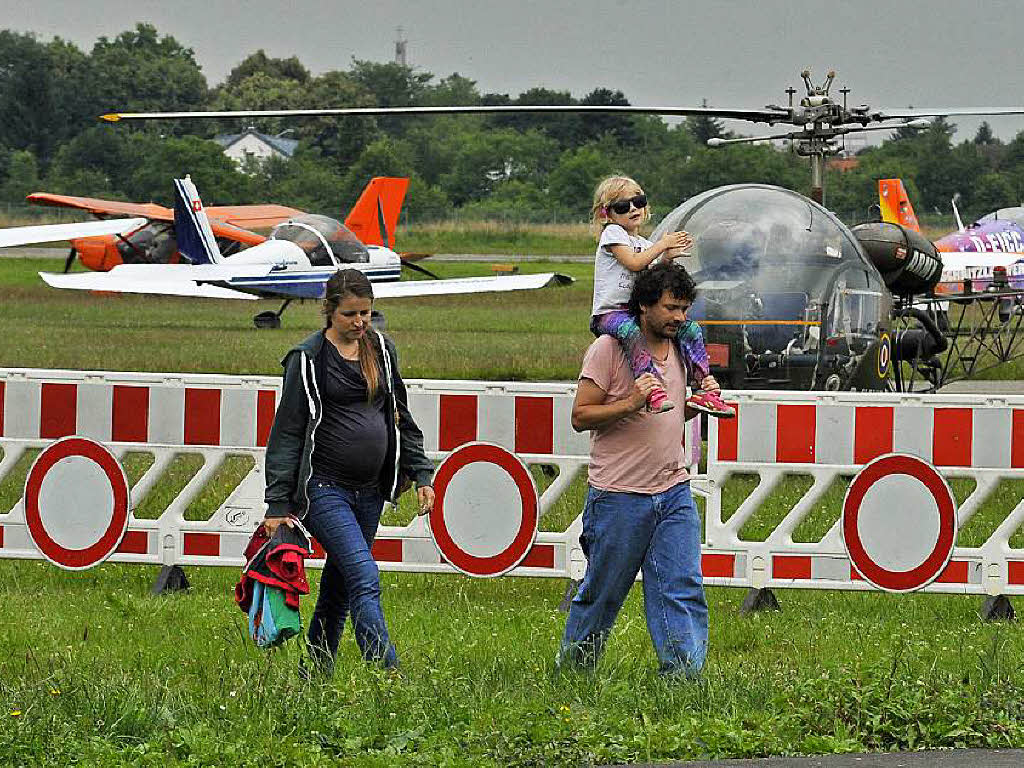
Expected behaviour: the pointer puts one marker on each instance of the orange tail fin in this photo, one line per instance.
(375, 215)
(895, 204)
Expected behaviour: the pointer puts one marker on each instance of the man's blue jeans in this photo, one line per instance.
(345, 521)
(622, 534)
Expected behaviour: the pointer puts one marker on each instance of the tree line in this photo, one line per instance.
(528, 167)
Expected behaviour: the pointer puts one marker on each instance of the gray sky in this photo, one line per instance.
(734, 53)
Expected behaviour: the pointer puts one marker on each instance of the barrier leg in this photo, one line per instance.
(759, 600)
(172, 578)
(997, 608)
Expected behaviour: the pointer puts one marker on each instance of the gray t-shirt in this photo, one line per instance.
(612, 281)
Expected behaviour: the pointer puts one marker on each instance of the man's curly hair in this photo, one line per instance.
(651, 283)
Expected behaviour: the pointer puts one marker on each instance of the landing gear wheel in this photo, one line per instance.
(268, 319)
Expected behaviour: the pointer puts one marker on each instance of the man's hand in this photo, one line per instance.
(425, 496)
(271, 523)
(642, 389)
(710, 384)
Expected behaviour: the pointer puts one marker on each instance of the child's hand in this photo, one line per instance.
(642, 389)
(710, 384)
(676, 244)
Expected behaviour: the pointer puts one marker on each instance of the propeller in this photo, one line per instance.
(70, 260)
(417, 268)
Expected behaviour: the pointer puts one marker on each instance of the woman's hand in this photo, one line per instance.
(270, 524)
(425, 496)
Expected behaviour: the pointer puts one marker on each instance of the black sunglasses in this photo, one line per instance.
(622, 206)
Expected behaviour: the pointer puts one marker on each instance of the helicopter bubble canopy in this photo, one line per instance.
(326, 241)
(1015, 215)
(781, 265)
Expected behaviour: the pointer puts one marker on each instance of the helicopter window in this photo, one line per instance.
(1015, 215)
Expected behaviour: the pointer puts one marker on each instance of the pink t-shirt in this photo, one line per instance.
(642, 453)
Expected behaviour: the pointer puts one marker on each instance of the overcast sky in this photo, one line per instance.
(734, 53)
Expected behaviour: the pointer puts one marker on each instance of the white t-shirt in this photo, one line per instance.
(612, 281)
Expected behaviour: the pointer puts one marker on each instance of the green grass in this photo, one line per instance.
(94, 671)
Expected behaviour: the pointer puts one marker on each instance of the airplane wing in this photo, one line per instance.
(159, 279)
(98, 207)
(253, 216)
(48, 233)
(468, 285)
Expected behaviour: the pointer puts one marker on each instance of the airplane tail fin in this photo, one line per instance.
(374, 217)
(895, 204)
(191, 226)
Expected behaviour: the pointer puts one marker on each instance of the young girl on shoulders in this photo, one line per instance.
(620, 208)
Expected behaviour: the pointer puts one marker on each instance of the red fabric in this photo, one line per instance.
(280, 565)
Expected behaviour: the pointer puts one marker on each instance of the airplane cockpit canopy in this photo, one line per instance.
(770, 257)
(1016, 215)
(326, 241)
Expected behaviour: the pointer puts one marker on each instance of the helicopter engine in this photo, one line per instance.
(908, 261)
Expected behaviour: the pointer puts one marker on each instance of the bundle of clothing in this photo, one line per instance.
(273, 579)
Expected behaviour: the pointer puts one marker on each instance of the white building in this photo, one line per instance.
(250, 143)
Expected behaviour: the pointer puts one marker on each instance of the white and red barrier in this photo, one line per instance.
(834, 435)
(487, 519)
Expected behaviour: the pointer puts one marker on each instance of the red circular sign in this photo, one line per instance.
(477, 496)
(894, 465)
(110, 484)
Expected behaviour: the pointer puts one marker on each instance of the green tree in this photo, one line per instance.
(141, 71)
(22, 177)
(487, 159)
(339, 140)
(281, 69)
(992, 191)
(572, 181)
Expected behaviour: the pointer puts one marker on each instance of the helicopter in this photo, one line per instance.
(789, 296)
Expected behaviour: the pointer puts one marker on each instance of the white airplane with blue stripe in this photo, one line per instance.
(294, 263)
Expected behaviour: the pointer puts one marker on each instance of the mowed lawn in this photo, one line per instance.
(95, 671)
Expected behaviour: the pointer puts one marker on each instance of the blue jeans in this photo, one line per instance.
(345, 521)
(622, 534)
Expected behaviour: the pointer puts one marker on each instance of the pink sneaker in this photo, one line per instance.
(658, 402)
(710, 403)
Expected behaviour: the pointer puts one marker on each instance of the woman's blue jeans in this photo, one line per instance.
(345, 521)
(624, 533)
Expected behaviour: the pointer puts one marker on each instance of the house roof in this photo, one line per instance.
(285, 146)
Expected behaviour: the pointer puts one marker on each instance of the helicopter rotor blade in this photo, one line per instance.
(767, 115)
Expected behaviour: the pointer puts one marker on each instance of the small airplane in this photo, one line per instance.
(373, 219)
(293, 263)
(990, 249)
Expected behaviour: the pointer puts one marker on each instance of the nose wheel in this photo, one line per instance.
(270, 319)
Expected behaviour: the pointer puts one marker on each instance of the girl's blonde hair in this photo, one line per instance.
(608, 191)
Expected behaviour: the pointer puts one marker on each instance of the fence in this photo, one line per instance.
(827, 437)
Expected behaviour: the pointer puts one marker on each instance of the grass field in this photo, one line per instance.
(94, 671)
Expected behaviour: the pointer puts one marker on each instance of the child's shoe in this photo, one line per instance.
(658, 402)
(710, 403)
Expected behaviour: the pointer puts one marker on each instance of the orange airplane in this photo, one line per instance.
(372, 219)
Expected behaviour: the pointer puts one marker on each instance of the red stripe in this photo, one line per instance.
(318, 551)
(1014, 571)
(728, 431)
(539, 556)
(951, 437)
(794, 434)
(202, 416)
(1, 408)
(1, 537)
(854, 576)
(872, 433)
(265, 405)
(954, 573)
(134, 543)
(457, 421)
(129, 418)
(57, 410)
(535, 424)
(718, 566)
(203, 544)
(387, 550)
(1017, 439)
(791, 567)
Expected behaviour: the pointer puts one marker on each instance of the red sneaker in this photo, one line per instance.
(658, 402)
(711, 404)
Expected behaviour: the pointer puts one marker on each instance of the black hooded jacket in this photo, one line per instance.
(292, 436)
